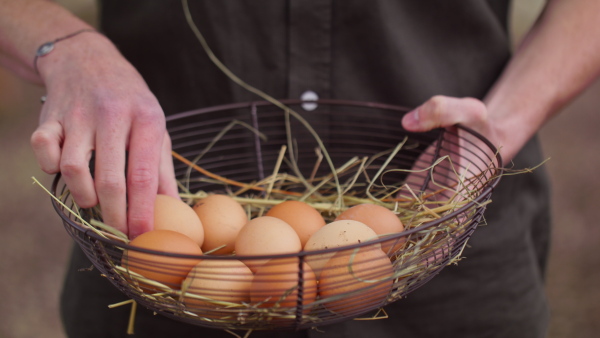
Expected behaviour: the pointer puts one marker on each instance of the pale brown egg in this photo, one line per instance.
(353, 281)
(305, 219)
(170, 271)
(334, 235)
(171, 213)
(379, 218)
(275, 285)
(265, 235)
(222, 218)
(217, 283)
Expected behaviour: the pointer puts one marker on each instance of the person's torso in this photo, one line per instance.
(395, 52)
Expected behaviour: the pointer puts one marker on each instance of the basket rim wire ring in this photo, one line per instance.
(483, 194)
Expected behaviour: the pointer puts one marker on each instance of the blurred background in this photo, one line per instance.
(34, 247)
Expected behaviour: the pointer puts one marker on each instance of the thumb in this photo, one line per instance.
(444, 111)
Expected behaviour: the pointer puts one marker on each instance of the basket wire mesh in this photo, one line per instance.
(296, 298)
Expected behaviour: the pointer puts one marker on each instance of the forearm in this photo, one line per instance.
(557, 60)
(25, 25)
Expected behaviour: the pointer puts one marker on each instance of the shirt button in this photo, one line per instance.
(309, 95)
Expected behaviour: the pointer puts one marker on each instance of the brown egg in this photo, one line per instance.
(334, 235)
(170, 271)
(354, 281)
(222, 218)
(220, 281)
(275, 285)
(379, 218)
(265, 235)
(171, 213)
(305, 219)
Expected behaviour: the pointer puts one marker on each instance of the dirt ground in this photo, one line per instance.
(34, 246)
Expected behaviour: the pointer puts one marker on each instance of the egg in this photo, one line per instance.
(220, 281)
(354, 281)
(265, 235)
(222, 218)
(171, 213)
(168, 270)
(334, 235)
(305, 219)
(275, 285)
(379, 218)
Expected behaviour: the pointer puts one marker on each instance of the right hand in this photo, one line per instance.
(97, 101)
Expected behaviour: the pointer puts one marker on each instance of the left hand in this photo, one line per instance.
(445, 112)
(461, 158)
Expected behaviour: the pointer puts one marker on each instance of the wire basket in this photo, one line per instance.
(425, 171)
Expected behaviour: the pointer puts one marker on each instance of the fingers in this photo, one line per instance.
(68, 150)
(46, 142)
(145, 144)
(75, 170)
(69, 155)
(167, 184)
(443, 111)
(111, 140)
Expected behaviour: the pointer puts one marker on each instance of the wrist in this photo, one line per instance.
(513, 123)
(47, 47)
(72, 53)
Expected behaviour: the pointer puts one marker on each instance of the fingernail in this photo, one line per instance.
(415, 115)
(411, 119)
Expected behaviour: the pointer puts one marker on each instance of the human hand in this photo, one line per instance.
(97, 102)
(444, 111)
(462, 156)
